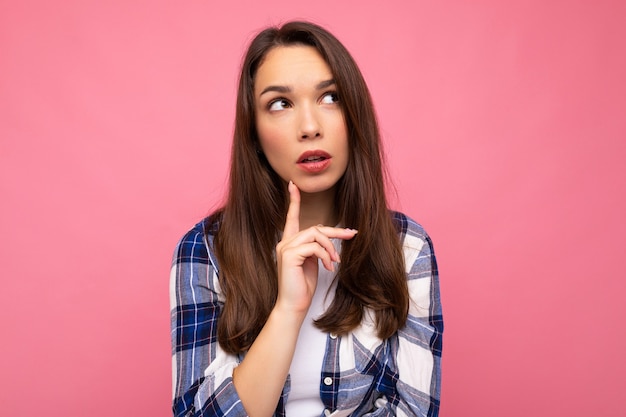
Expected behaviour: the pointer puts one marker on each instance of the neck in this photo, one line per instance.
(318, 208)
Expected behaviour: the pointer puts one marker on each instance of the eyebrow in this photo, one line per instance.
(284, 89)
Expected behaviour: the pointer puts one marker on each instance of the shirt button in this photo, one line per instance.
(333, 336)
(328, 381)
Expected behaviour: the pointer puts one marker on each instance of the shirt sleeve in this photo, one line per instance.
(412, 378)
(201, 370)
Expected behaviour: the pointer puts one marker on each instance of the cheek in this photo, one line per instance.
(269, 137)
(340, 131)
(273, 145)
(340, 128)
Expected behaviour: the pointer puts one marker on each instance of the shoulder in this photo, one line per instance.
(411, 233)
(417, 247)
(191, 247)
(195, 245)
(194, 276)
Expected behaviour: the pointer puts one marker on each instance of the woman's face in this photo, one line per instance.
(299, 119)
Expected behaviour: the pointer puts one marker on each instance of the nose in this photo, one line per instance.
(310, 126)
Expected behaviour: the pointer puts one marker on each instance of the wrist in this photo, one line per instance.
(287, 315)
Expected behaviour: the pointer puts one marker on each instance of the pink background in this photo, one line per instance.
(505, 130)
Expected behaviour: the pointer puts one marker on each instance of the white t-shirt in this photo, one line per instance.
(306, 367)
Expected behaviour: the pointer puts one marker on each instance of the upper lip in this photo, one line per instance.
(315, 153)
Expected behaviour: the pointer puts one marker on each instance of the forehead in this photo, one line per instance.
(291, 65)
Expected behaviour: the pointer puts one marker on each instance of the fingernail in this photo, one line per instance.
(337, 257)
(352, 230)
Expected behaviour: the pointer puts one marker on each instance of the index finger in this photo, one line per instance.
(292, 222)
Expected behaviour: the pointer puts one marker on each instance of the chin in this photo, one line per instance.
(314, 187)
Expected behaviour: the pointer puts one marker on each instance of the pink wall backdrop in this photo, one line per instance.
(505, 130)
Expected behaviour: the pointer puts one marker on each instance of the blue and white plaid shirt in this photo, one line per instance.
(362, 375)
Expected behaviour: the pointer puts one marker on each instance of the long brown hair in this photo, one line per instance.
(247, 228)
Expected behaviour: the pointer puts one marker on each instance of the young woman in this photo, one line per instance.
(305, 295)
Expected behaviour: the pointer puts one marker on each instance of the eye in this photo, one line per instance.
(330, 98)
(278, 104)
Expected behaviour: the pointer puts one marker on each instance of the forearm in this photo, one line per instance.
(260, 377)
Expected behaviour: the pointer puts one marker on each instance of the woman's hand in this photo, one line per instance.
(260, 377)
(297, 254)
